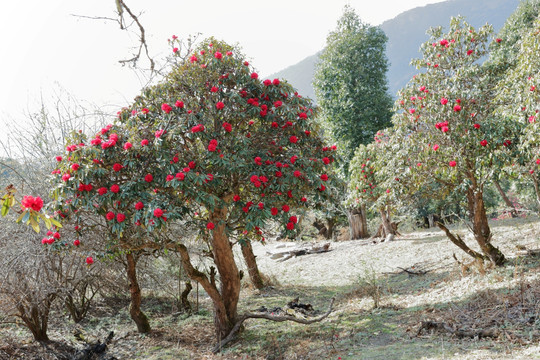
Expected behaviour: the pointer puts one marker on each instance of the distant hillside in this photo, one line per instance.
(406, 32)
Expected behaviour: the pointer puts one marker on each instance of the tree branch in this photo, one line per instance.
(241, 319)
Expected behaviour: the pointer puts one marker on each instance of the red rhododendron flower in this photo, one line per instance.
(218, 55)
(476, 126)
(324, 177)
(302, 115)
(89, 260)
(498, 40)
(277, 103)
(58, 158)
(435, 147)
(236, 198)
(326, 161)
(148, 178)
(214, 89)
(102, 190)
(193, 59)
(285, 208)
(66, 177)
(483, 142)
(145, 111)
(293, 139)
(444, 101)
(229, 53)
(144, 142)
(120, 217)
(293, 219)
(76, 242)
(175, 50)
(274, 211)
(267, 82)
(117, 167)
(212, 145)
(260, 205)
(469, 52)
(258, 160)
(275, 81)
(210, 226)
(158, 133)
(180, 176)
(110, 215)
(227, 127)
(297, 173)
(139, 205)
(169, 177)
(128, 146)
(179, 104)
(34, 203)
(322, 188)
(115, 188)
(254, 75)
(290, 226)
(197, 128)
(158, 213)
(220, 105)
(457, 108)
(166, 108)
(303, 199)
(452, 163)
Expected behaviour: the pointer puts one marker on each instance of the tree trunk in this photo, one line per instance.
(143, 326)
(389, 231)
(481, 230)
(329, 228)
(185, 304)
(507, 201)
(251, 262)
(358, 223)
(536, 189)
(225, 313)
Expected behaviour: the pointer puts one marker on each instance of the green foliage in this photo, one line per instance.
(210, 136)
(351, 85)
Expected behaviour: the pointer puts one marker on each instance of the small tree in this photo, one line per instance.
(352, 93)
(446, 128)
(211, 145)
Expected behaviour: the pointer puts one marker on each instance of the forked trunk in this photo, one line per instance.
(226, 309)
(140, 319)
(481, 230)
(251, 263)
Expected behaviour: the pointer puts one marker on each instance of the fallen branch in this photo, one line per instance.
(412, 272)
(444, 327)
(285, 255)
(241, 319)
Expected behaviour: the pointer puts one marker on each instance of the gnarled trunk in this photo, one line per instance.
(251, 263)
(480, 226)
(225, 310)
(140, 319)
(536, 189)
(388, 229)
(358, 223)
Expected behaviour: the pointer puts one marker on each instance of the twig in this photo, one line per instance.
(241, 319)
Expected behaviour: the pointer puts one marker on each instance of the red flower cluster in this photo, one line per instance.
(443, 126)
(166, 108)
(197, 128)
(34, 203)
(212, 145)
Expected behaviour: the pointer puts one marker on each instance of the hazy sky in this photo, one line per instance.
(43, 44)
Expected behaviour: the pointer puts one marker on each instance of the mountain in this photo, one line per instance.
(406, 32)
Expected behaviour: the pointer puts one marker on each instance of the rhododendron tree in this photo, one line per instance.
(211, 145)
(445, 136)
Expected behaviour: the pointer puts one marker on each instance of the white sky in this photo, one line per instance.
(41, 43)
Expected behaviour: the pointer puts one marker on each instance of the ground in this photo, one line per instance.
(464, 296)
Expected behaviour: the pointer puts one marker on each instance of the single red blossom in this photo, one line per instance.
(435, 147)
(158, 213)
(285, 208)
(274, 211)
(293, 139)
(246, 63)
(293, 219)
(278, 103)
(324, 177)
(254, 75)
(144, 142)
(58, 158)
(34, 203)
(180, 176)
(89, 260)
(218, 55)
(476, 126)
(302, 115)
(498, 40)
(484, 142)
(290, 226)
(175, 50)
(145, 111)
(169, 177)
(66, 177)
(469, 52)
(444, 101)
(158, 133)
(297, 173)
(76, 242)
(120, 217)
(326, 161)
(110, 215)
(258, 160)
(322, 188)
(193, 59)
(117, 167)
(275, 82)
(102, 190)
(303, 199)
(115, 189)
(457, 108)
(452, 163)
(128, 146)
(139, 205)
(267, 82)
(274, 124)
(191, 164)
(210, 226)
(214, 89)
(236, 198)
(260, 205)
(148, 178)
(229, 53)
(278, 174)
